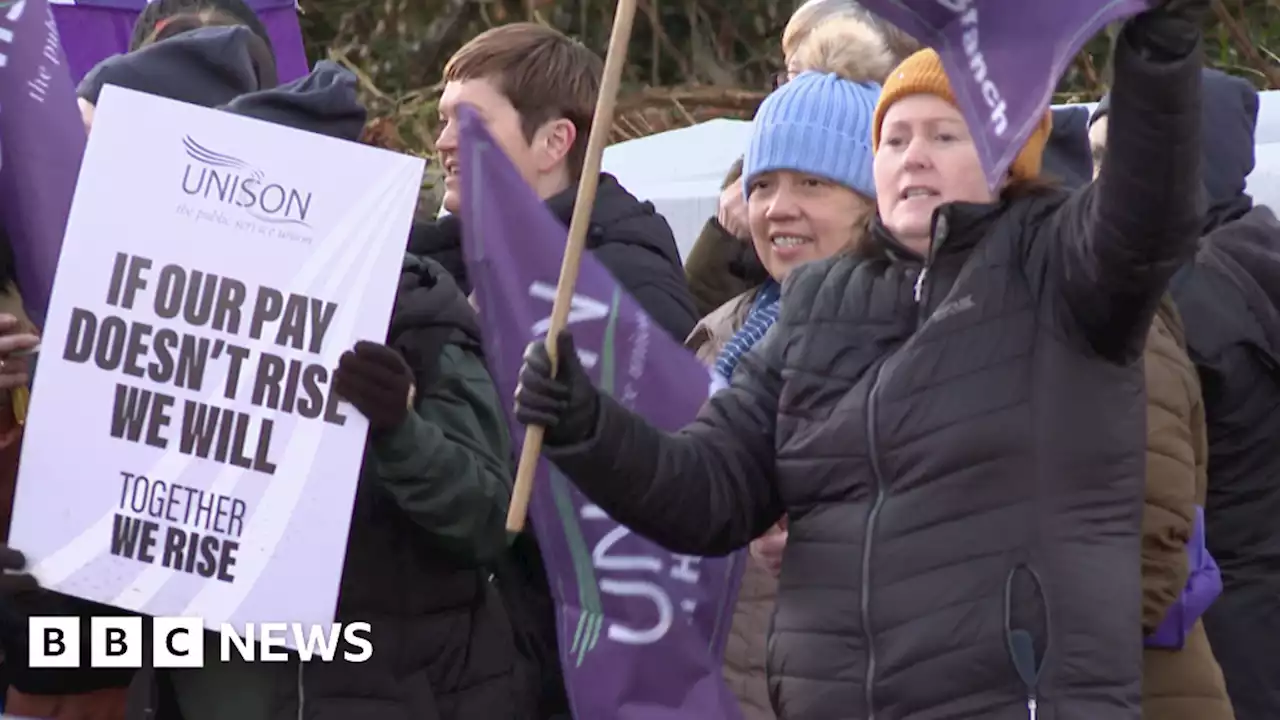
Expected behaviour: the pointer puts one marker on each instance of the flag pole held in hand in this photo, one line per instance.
(601, 124)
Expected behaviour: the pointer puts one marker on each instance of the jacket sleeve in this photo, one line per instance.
(709, 268)
(448, 465)
(1113, 246)
(1172, 473)
(708, 489)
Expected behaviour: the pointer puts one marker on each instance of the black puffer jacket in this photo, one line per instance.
(627, 236)
(962, 466)
(635, 244)
(1229, 299)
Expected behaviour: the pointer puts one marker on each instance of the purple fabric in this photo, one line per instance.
(1204, 585)
(642, 631)
(1004, 58)
(42, 139)
(93, 30)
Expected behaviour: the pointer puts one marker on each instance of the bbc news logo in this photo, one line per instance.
(179, 642)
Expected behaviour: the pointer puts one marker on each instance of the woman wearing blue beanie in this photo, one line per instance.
(809, 190)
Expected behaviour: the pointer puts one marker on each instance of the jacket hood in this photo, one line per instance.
(618, 217)
(322, 102)
(1228, 124)
(1067, 155)
(207, 67)
(1228, 127)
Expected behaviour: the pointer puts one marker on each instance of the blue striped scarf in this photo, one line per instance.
(761, 317)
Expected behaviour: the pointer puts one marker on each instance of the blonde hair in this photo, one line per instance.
(808, 16)
(846, 46)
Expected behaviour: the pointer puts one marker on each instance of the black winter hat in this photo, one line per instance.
(323, 102)
(209, 67)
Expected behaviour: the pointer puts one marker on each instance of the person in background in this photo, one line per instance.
(803, 205)
(206, 58)
(202, 68)
(1181, 678)
(1229, 300)
(719, 266)
(158, 13)
(429, 513)
(537, 90)
(951, 417)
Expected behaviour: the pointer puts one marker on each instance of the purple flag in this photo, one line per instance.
(642, 631)
(93, 30)
(1004, 58)
(41, 141)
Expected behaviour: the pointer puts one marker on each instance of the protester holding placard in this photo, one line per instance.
(952, 417)
(429, 512)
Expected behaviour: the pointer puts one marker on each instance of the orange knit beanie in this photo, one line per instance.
(922, 73)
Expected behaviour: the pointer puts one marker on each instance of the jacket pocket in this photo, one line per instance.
(1026, 630)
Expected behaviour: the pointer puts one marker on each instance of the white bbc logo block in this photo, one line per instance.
(115, 642)
(53, 642)
(177, 642)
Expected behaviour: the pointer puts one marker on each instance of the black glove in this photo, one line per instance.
(14, 583)
(1170, 30)
(377, 380)
(567, 405)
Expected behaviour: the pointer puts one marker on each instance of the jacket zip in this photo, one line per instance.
(868, 539)
(873, 452)
(302, 698)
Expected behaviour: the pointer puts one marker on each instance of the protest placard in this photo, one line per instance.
(184, 454)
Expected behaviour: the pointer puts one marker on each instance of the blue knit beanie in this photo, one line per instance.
(818, 124)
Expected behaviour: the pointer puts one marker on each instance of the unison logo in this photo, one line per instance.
(229, 180)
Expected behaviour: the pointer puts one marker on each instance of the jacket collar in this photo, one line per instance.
(957, 228)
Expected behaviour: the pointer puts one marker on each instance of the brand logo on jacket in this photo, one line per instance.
(178, 642)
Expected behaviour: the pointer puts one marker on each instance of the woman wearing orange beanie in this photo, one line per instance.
(951, 416)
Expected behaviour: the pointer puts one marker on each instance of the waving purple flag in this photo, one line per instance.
(1004, 58)
(642, 630)
(41, 141)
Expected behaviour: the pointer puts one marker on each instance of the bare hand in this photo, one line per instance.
(732, 211)
(768, 549)
(14, 371)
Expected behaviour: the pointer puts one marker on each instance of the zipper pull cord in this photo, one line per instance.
(920, 282)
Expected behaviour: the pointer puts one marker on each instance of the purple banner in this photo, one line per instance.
(1004, 58)
(94, 30)
(41, 142)
(642, 631)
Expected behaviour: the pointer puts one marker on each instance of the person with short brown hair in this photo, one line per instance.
(536, 89)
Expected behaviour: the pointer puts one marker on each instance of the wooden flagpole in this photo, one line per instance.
(601, 124)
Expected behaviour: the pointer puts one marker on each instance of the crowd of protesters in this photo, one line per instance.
(995, 454)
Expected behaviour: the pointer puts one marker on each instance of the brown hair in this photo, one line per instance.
(260, 53)
(544, 74)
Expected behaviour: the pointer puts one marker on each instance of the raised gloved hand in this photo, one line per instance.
(1171, 28)
(566, 405)
(12, 580)
(378, 382)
